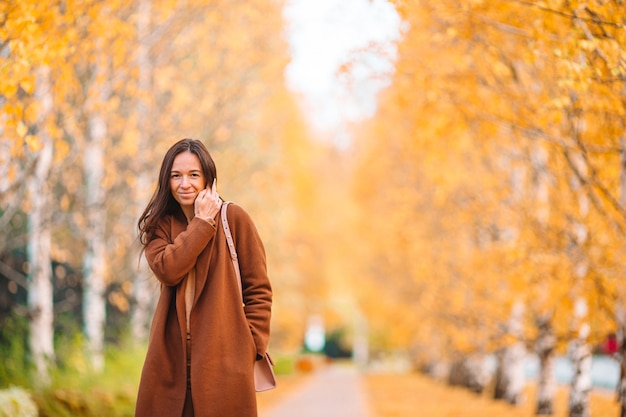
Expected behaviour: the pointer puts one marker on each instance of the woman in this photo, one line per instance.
(203, 343)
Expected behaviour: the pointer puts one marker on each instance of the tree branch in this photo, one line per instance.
(13, 275)
(568, 16)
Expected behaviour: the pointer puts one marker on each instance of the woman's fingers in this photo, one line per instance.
(208, 203)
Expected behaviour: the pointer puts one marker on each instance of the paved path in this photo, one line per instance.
(334, 391)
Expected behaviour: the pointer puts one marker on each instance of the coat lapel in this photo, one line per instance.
(179, 225)
(202, 266)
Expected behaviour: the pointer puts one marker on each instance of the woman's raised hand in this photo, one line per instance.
(208, 202)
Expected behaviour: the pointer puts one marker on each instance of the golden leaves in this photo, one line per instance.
(34, 145)
(465, 113)
(62, 150)
(22, 129)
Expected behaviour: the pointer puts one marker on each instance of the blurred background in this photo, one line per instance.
(440, 185)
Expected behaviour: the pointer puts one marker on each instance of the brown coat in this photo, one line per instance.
(226, 338)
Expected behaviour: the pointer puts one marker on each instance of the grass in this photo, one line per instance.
(78, 391)
(409, 395)
(75, 390)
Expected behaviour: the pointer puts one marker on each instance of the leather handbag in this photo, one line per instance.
(264, 378)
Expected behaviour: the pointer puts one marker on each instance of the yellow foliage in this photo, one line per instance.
(474, 220)
(441, 217)
(400, 395)
(22, 129)
(33, 143)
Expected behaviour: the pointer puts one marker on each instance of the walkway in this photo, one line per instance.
(334, 391)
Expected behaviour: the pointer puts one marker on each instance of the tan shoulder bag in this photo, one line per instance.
(264, 378)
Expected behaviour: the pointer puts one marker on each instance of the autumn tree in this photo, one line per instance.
(495, 171)
(116, 82)
(28, 95)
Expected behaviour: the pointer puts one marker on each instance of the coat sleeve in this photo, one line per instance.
(257, 290)
(170, 260)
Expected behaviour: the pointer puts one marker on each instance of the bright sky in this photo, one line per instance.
(323, 34)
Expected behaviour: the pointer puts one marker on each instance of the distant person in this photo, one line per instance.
(610, 346)
(203, 342)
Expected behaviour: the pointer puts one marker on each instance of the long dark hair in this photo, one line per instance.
(162, 202)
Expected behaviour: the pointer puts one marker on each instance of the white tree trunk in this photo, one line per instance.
(509, 378)
(620, 312)
(509, 373)
(470, 372)
(94, 307)
(514, 358)
(546, 341)
(143, 293)
(580, 354)
(40, 291)
(580, 351)
(94, 259)
(544, 347)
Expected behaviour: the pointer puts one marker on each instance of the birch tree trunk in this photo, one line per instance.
(513, 359)
(621, 354)
(499, 378)
(546, 341)
(94, 259)
(470, 372)
(509, 376)
(40, 292)
(544, 347)
(580, 354)
(142, 294)
(479, 373)
(579, 349)
(620, 311)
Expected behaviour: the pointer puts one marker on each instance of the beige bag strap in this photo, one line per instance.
(231, 248)
(264, 378)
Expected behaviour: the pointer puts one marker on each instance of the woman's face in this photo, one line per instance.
(186, 178)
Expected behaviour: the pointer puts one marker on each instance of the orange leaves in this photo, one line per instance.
(34, 145)
(21, 129)
(205, 79)
(480, 93)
